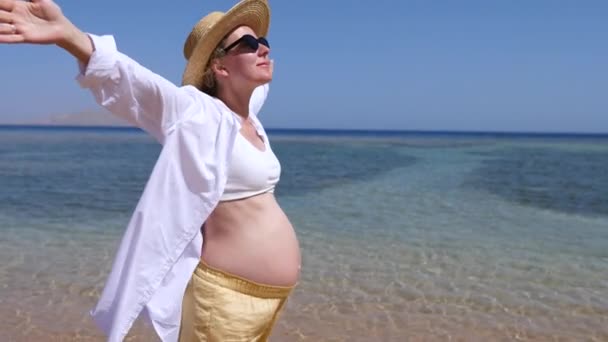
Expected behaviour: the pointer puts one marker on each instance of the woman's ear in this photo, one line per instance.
(219, 69)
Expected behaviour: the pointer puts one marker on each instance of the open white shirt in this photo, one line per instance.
(162, 243)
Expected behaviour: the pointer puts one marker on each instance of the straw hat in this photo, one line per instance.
(211, 29)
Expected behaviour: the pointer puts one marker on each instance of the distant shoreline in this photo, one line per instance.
(329, 131)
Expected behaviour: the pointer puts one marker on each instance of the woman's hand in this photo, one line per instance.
(35, 22)
(42, 22)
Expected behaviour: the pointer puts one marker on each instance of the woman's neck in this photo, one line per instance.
(236, 99)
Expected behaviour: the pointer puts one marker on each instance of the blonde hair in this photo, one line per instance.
(209, 85)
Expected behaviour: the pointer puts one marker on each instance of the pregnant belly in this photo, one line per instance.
(253, 239)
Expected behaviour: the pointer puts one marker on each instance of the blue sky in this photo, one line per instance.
(413, 65)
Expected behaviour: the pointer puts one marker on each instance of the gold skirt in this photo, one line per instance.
(219, 306)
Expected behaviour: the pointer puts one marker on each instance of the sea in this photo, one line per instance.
(405, 236)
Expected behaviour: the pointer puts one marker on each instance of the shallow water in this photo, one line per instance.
(403, 237)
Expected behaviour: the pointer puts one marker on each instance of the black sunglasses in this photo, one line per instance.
(250, 41)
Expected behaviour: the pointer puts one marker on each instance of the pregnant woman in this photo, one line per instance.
(208, 254)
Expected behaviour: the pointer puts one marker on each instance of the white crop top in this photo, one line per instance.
(251, 171)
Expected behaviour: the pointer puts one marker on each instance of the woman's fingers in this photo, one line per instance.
(40, 22)
(6, 17)
(8, 29)
(9, 34)
(11, 39)
(7, 5)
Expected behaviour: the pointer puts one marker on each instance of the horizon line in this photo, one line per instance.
(327, 130)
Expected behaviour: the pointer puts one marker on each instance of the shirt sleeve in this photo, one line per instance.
(131, 91)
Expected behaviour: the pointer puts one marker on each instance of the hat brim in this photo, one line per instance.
(252, 13)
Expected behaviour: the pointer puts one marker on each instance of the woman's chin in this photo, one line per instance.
(263, 80)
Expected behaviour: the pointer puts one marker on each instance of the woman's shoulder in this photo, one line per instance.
(206, 109)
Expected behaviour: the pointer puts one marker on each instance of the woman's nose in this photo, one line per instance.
(263, 50)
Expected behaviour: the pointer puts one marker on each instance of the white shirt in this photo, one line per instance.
(162, 243)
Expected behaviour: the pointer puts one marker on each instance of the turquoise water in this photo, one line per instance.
(404, 236)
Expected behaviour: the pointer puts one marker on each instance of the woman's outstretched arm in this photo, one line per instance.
(118, 83)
